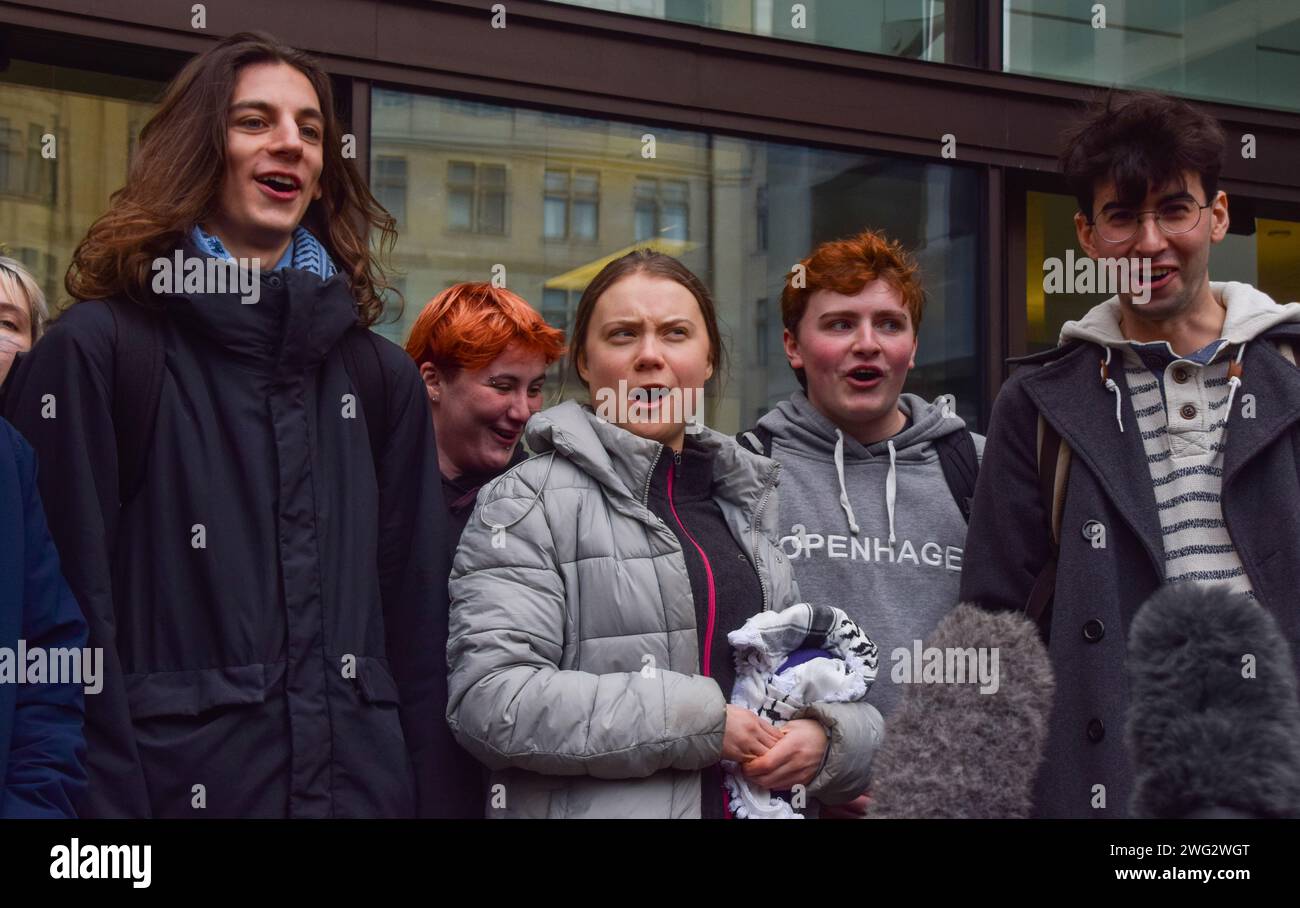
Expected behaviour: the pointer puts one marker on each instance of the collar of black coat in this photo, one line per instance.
(296, 320)
(622, 462)
(1067, 390)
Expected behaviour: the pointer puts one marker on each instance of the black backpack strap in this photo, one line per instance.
(137, 387)
(757, 439)
(365, 369)
(961, 467)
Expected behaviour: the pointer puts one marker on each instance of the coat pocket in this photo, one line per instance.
(213, 742)
(193, 692)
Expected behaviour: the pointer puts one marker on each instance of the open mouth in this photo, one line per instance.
(279, 186)
(505, 436)
(1160, 277)
(648, 395)
(865, 376)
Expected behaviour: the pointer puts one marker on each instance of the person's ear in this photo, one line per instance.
(580, 363)
(791, 344)
(911, 364)
(433, 382)
(1086, 234)
(1219, 215)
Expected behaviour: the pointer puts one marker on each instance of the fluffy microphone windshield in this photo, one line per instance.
(1213, 726)
(968, 750)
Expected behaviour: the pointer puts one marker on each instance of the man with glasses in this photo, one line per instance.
(1159, 442)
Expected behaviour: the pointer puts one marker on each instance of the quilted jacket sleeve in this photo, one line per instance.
(509, 702)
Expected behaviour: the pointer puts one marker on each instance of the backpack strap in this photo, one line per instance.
(757, 439)
(137, 388)
(1053, 477)
(960, 463)
(360, 348)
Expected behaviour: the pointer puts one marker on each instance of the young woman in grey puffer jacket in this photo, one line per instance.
(595, 584)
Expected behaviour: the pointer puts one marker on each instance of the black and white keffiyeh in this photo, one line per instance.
(840, 668)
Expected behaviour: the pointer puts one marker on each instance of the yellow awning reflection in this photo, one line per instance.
(578, 278)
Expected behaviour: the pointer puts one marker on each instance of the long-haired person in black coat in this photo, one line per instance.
(242, 480)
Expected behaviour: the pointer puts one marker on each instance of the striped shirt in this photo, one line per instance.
(1180, 404)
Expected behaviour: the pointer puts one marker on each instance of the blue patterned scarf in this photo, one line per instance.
(305, 252)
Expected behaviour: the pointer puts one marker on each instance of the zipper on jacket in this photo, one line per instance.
(758, 522)
(708, 571)
(654, 462)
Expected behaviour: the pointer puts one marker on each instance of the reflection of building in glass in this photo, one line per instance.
(553, 199)
(55, 180)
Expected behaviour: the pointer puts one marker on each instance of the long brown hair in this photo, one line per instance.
(655, 264)
(176, 175)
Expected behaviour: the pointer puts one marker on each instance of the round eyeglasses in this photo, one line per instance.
(1119, 225)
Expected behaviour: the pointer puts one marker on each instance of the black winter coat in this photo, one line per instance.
(272, 606)
(1099, 590)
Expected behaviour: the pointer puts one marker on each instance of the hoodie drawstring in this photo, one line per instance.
(1234, 380)
(891, 489)
(844, 494)
(891, 485)
(1112, 387)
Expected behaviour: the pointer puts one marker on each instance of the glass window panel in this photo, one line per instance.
(937, 30)
(460, 209)
(812, 194)
(557, 181)
(460, 173)
(554, 219)
(1241, 51)
(674, 223)
(645, 222)
(493, 213)
(493, 175)
(48, 204)
(584, 220)
(586, 182)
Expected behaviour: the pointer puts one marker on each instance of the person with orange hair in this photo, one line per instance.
(483, 353)
(875, 483)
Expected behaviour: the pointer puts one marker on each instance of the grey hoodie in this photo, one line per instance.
(873, 530)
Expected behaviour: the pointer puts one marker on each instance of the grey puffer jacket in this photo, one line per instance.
(573, 656)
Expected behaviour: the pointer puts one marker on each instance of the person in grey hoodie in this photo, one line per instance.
(871, 510)
(1172, 415)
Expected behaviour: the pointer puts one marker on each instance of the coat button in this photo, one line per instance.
(274, 280)
(1188, 411)
(1181, 375)
(1093, 630)
(1096, 730)
(1092, 529)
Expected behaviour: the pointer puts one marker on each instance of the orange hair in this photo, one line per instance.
(846, 266)
(469, 325)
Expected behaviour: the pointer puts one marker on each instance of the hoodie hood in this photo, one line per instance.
(1250, 313)
(806, 431)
